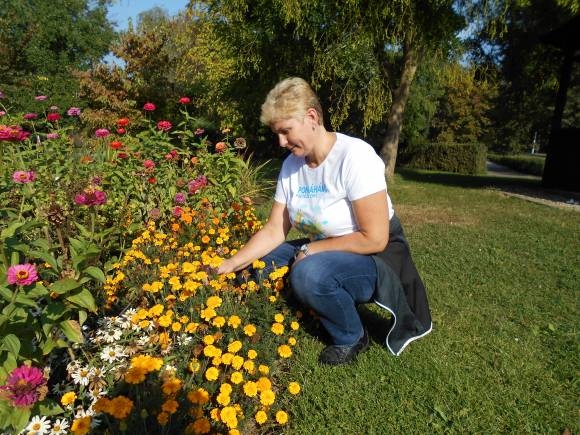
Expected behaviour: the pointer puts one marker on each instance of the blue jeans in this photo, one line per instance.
(331, 283)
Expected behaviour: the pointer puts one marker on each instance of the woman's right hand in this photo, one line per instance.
(227, 266)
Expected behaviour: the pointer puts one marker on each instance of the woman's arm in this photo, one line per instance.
(263, 242)
(372, 217)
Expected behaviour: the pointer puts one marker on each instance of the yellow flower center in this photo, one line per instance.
(22, 274)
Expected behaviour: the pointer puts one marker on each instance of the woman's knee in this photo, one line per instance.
(307, 280)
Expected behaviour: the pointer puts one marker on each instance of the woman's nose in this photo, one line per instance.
(282, 140)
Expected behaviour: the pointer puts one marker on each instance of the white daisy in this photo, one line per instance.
(144, 340)
(111, 354)
(60, 426)
(184, 339)
(111, 335)
(38, 425)
(82, 375)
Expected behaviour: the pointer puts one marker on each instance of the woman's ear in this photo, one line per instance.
(312, 115)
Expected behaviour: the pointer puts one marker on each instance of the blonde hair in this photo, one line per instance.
(290, 98)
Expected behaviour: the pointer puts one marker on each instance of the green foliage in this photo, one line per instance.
(466, 158)
(523, 163)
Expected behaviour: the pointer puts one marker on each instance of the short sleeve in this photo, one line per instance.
(365, 173)
(280, 195)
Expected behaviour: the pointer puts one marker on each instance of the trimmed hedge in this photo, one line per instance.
(527, 164)
(466, 158)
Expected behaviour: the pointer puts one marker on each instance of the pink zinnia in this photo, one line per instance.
(52, 136)
(52, 117)
(149, 164)
(102, 132)
(2, 113)
(13, 133)
(184, 100)
(73, 111)
(164, 125)
(30, 116)
(40, 97)
(197, 184)
(23, 177)
(149, 107)
(177, 211)
(91, 197)
(23, 385)
(22, 274)
(179, 198)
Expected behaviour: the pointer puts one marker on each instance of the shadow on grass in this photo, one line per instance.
(471, 181)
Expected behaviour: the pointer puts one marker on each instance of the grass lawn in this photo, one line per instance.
(502, 276)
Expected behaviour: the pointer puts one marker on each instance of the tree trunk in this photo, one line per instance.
(395, 118)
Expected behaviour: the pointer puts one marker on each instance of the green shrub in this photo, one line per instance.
(453, 157)
(533, 165)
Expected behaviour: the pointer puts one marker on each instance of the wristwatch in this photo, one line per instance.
(303, 249)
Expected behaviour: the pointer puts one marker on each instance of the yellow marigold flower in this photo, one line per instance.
(191, 327)
(281, 417)
(187, 267)
(201, 426)
(229, 417)
(194, 366)
(135, 375)
(234, 321)
(176, 326)
(120, 407)
(184, 319)
(156, 286)
(264, 369)
(212, 374)
(237, 377)
(279, 318)
(170, 406)
(146, 362)
(216, 360)
(237, 362)
(225, 388)
(156, 310)
(267, 397)
(163, 418)
(294, 325)
(68, 398)
(171, 386)
(284, 351)
(102, 404)
(218, 321)
(227, 358)
(210, 351)
(264, 384)
(215, 414)
(261, 417)
(234, 432)
(207, 314)
(258, 264)
(249, 366)
(250, 389)
(272, 299)
(294, 388)
(175, 283)
(252, 354)
(214, 301)
(234, 346)
(249, 330)
(81, 426)
(144, 324)
(208, 339)
(205, 239)
(164, 321)
(292, 341)
(252, 286)
(223, 399)
(278, 328)
(199, 396)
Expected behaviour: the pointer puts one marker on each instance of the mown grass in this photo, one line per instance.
(526, 163)
(503, 277)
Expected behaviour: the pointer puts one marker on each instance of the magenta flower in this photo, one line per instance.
(30, 116)
(22, 274)
(23, 385)
(40, 97)
(91, 197)
(149, 164)
(177, 211)
(51, 117)
(149, 107)
(197, 184)
(73, 111)
(23, 177)
(52, 136)
(185, 100)
(154, 213)
(102, 132)
(179, 198)
(13, 133)
(164, 125)
(2, 113)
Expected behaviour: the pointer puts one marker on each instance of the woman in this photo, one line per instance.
(332, 188)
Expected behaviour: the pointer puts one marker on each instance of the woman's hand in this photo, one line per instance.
(227, 266)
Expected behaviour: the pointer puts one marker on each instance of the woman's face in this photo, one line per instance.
(296, 135)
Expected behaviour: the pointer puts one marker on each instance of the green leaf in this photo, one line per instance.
(6, 293)
(46, 257)
(21, 299)
(19, 418)
(72, 330)
(84, 231)
(37, 291)
(77, 244)
(12, 344)
(51, 408)
(8, 362)
(65, 285)
(84, 299)
(82, 317)
(55, 311)
(42, 244)
(96, 273)
(10, 230)
(48, 346)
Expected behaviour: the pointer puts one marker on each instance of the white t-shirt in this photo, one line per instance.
(319, 199)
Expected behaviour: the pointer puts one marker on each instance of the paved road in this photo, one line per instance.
(495, 170)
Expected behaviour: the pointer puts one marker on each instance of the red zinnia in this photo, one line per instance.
(122, 155)
(164, 125)
(149, 164)
(149, 107)
(123, 122)
(116, 144)
(184, 100)
(152, 180)
(53, 117)
(121, 131)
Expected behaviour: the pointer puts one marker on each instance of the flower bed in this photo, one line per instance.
(112, 316)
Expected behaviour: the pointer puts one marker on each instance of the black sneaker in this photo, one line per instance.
(336, 355)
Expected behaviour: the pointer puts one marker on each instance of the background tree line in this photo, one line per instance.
(401, 71)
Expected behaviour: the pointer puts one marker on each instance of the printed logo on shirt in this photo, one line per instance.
(311, 191)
